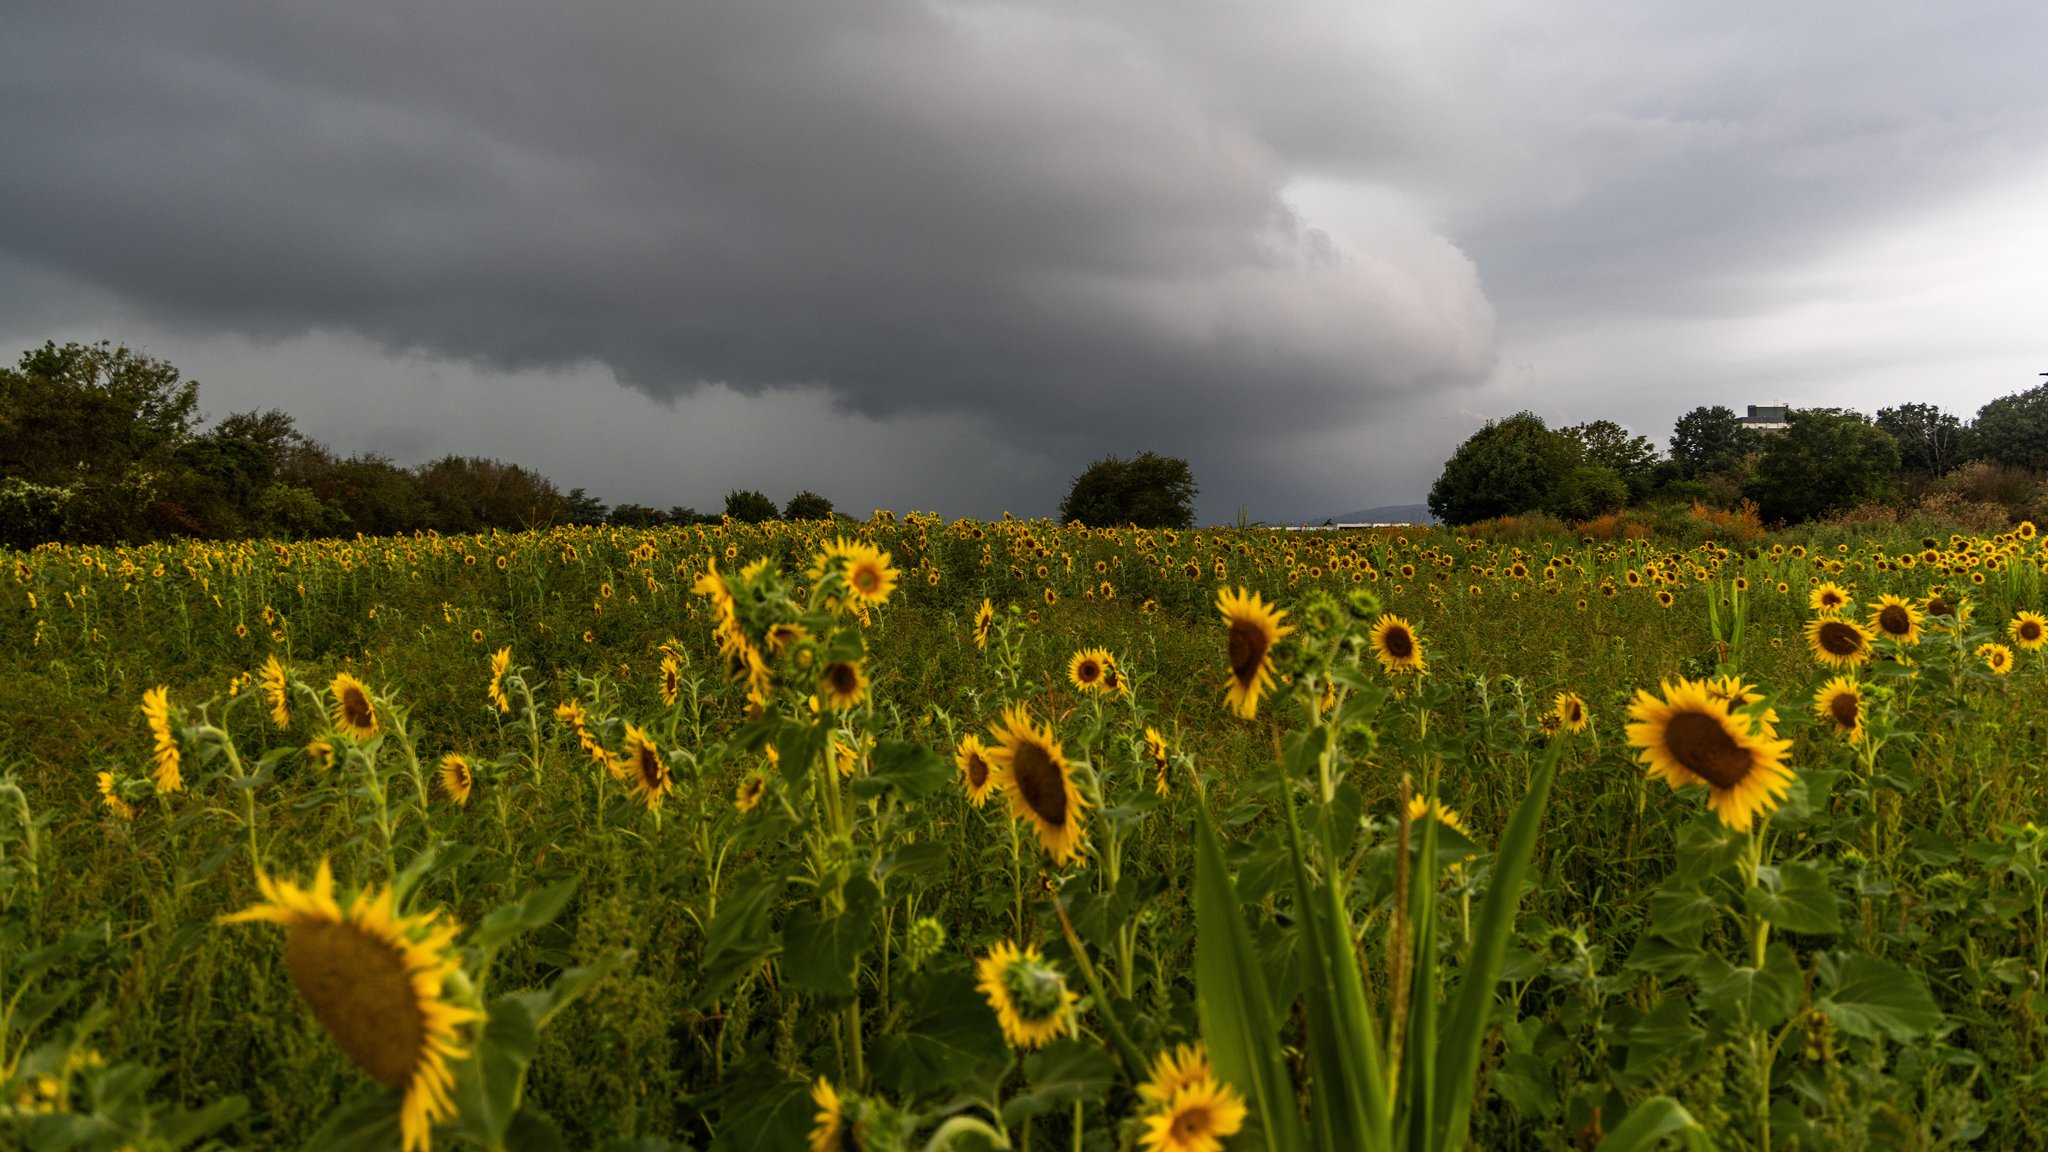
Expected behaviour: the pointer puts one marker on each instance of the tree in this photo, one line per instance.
(2013, 430)
(807, 505)
(749, 505)
(1929, 439)
(1510, 466)
(580, 507)
(1587, 491)
(1608, 445)
(1825, 460)
(1712, 439)
(1148, 490)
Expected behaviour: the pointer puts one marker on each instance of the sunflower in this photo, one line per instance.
(2029, 630)
(984, 618)
(671, 681)
(1254, 628)
(457, 777)
(276, 690)
(752, 787)
(156, 710)
(377, 981)
(1896, 617)
(1448, 817)
(1665, 598)
(1691, 736)
(642, 767)
(1157, 752)
(1396, 646)
(501, 662)
(1183, 1067)
(830, 1131)
(110, 795)
(1088, 667)
(320, 753)
(1828, 598)
(353, 712)
(1996, 657)
(1570, 710)
(976, 775)
(1838, 643)
(1029, 995)
(867, 571)
(1032, 771)
(1839, 704)
(844, 684)
(1195, 1120)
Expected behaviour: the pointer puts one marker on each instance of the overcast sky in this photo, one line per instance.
(940, 255)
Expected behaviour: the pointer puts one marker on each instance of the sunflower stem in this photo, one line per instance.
(1127, 1052)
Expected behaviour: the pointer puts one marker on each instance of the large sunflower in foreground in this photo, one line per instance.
(977, 775)
(1254, 629)
(830, 1131)
(1691, 736)
(376, 980)
(156, 710)
(353, 711)
(1838, 643)
(1896, 617)
(1395, 645)
(1839, 705)
(1031, 999)
(1031, 769)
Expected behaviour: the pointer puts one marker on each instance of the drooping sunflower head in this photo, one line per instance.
(354, 712)
(1570, 710)
(671, 681)
(1839, 706)
(843, 684)
(2029, 630)
(984, 618)
(501, 663)
(156, 712)
(110, 795)
(1897, 618)
(1396, 646)
(1254, 628)
(1031, 769)
(457, 777)
(1196, 1120)
(977, 775)
(643, 769)
(1828, 598)
(377, 982)
(321, 753)
(753, 786)
(277, 691)
(1088, 668)
(1837, 643)
(1028, 993)
(1692, 735)
(1996, 657)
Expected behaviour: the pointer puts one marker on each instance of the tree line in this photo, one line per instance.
(1825, 462)
(100, 444)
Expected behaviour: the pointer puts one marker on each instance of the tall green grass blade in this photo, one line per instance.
(1654, 1120)
(1418, 1062)
(1465, 1030)
(1230, 991)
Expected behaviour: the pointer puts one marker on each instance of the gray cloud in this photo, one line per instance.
(985, 242)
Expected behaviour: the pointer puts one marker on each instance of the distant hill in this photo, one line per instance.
(1386, 514)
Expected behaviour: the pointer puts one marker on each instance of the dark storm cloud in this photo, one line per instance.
(968, 208)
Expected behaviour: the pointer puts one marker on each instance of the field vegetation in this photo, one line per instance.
(909, 833)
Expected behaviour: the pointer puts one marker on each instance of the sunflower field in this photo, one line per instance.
(915, 834)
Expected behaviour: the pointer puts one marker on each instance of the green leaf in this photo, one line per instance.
(739, 937)
(365, 1122)
(1656, 1119)
(821, 955)
(761, 1107)
(1230, 994)
(911, 769)
(184, 1125)
(1868, 997)
(1764, 997)
(1064, 1071)
(1681, 914)
(1667, 1030)
(949, 1040)
(534, 910)
(1801, 900)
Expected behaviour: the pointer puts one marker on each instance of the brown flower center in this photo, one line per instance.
(356, 708)
(1839, 639)
(1040, 782)
(2029, 631)
(1895, 620)
(1843, 707)
(842, 677)
(1704, 746)
(1248, 646)
(977, 770)
(1398, 643)
(360, 991)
